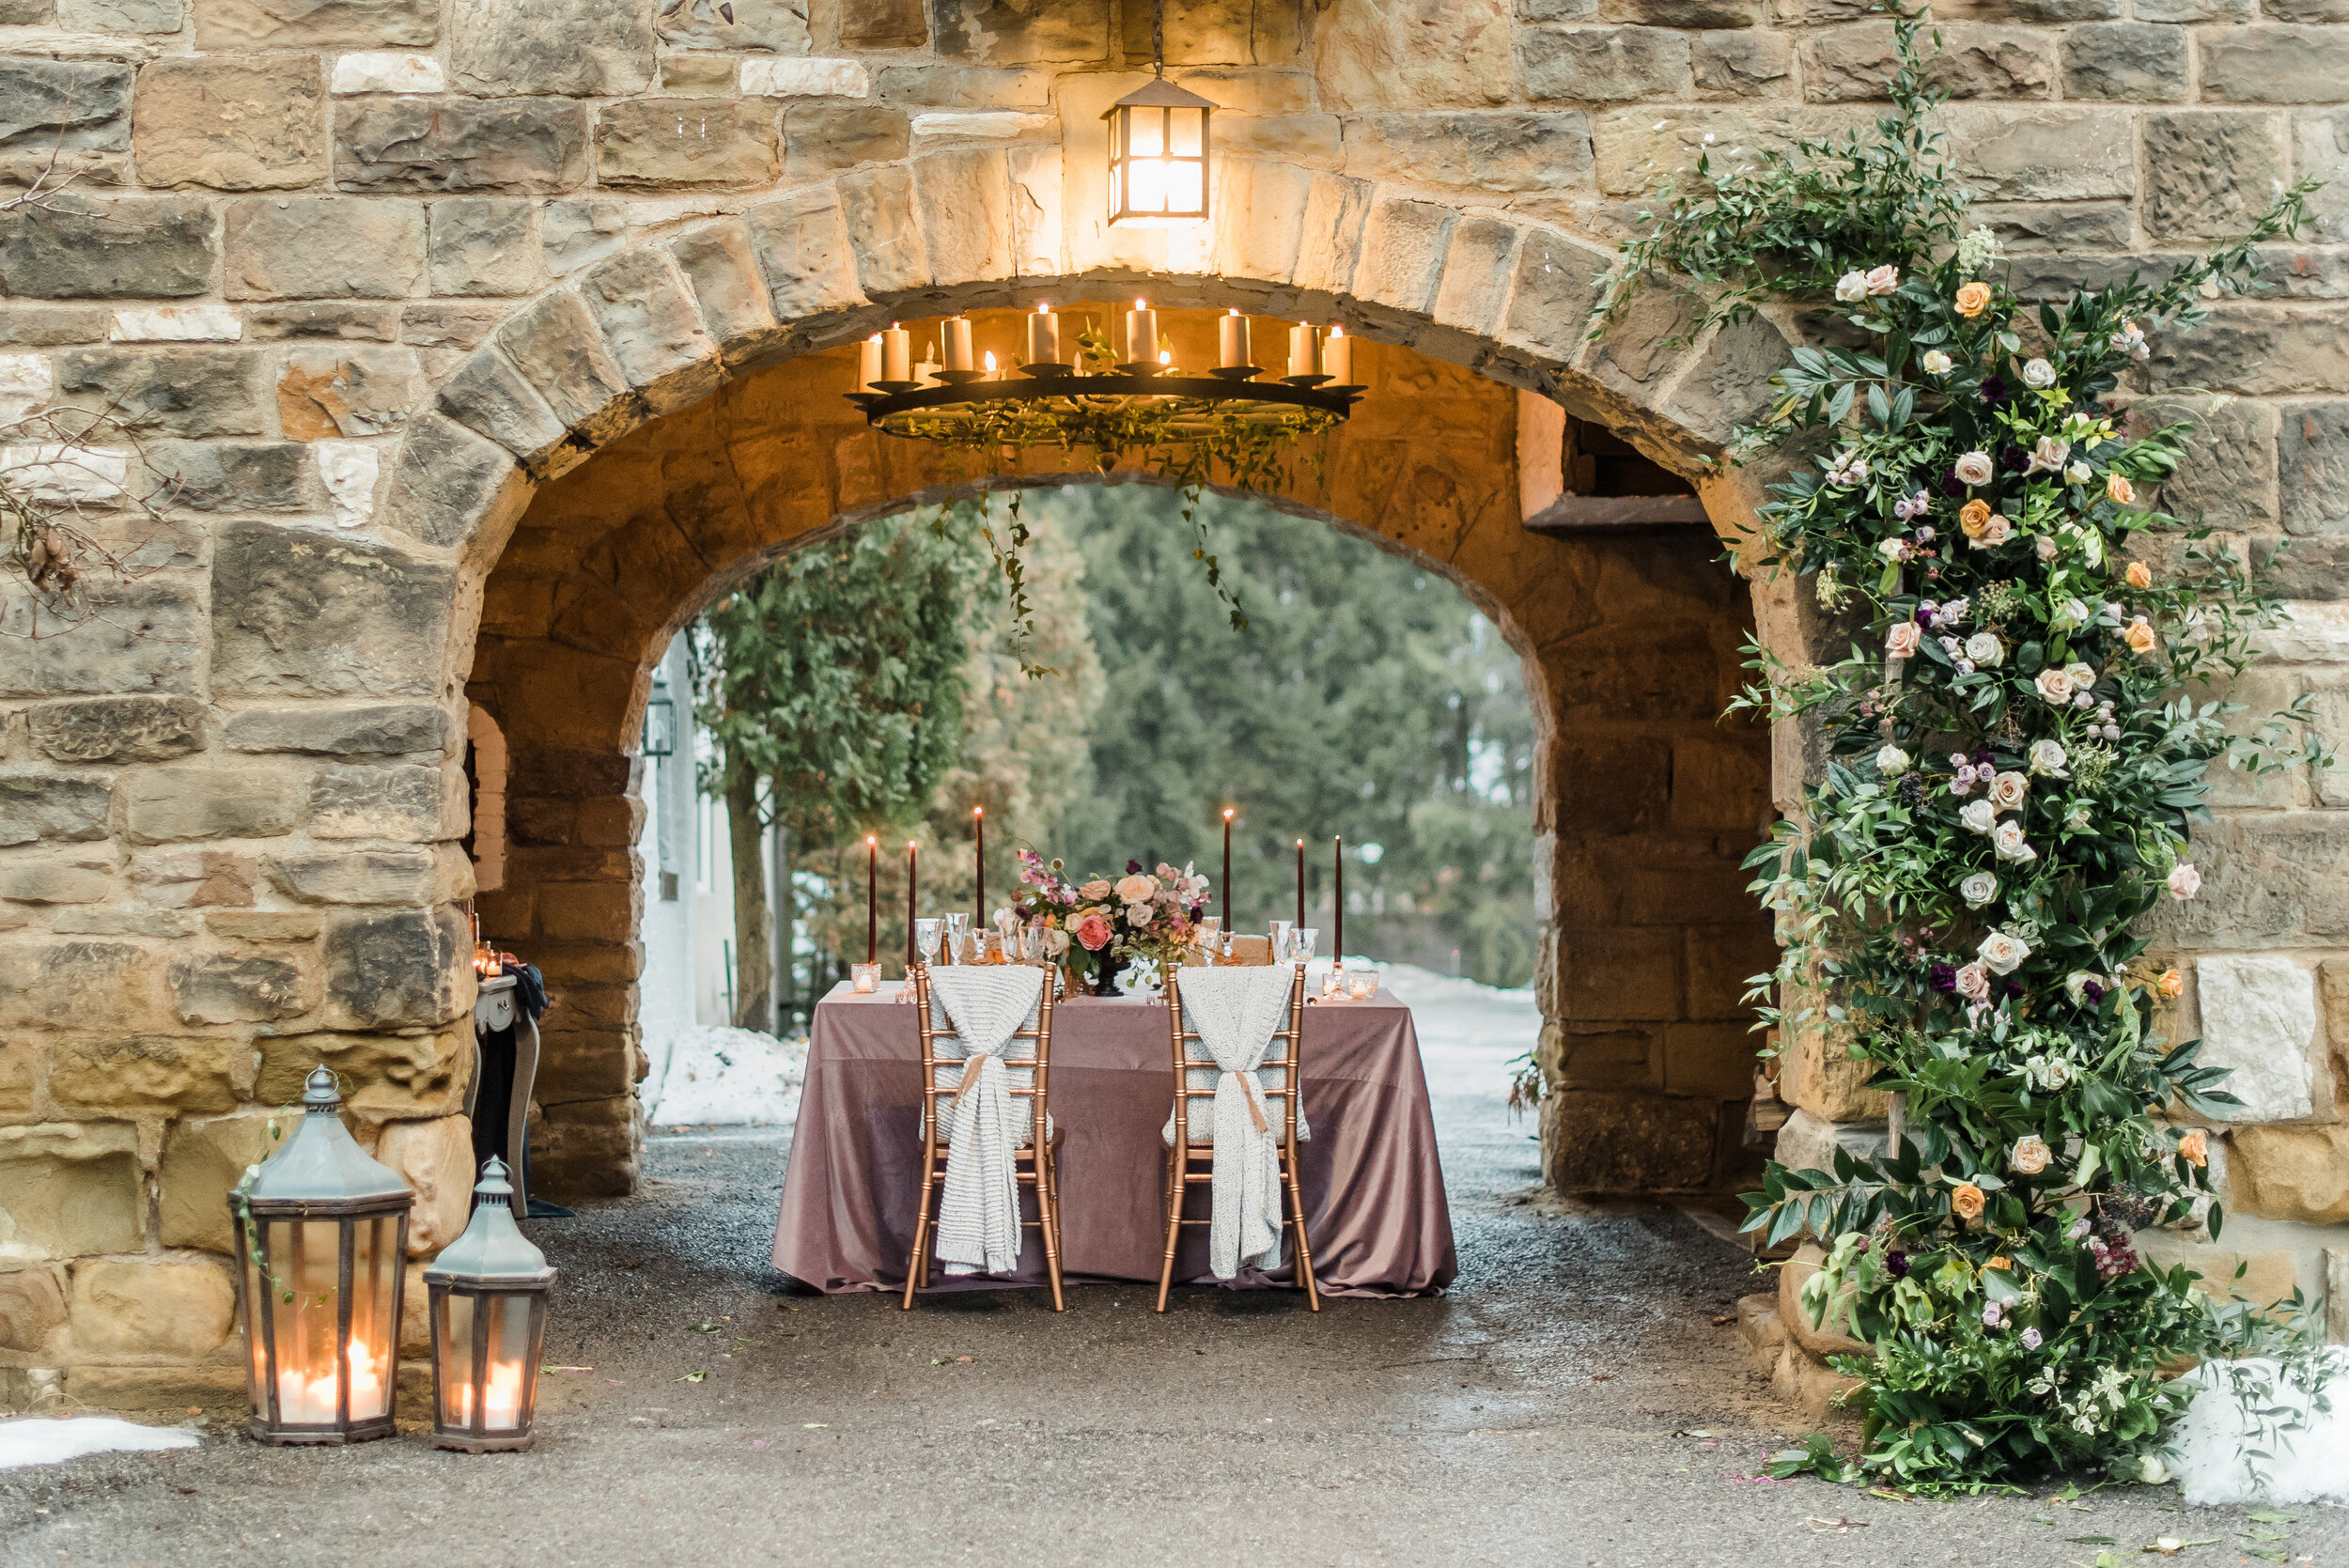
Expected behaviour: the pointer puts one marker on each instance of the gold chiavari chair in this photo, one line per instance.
(1036, 1163)
(1189, 1165)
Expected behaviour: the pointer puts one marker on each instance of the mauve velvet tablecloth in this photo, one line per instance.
(1375, 1208)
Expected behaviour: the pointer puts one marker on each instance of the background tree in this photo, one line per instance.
(833, 693)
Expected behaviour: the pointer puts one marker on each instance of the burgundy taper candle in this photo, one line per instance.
(978, 826)
(1337, 901)
(1301, 884)
(872, 899)
(913, 866)
(1223, 889)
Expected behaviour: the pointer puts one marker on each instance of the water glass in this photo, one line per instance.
(1301, 940)
(957, 937)
(1281, 934)
(1210, 936)
(925, 940)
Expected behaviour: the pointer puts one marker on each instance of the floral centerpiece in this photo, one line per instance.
(2011, 768)
(1101, 924)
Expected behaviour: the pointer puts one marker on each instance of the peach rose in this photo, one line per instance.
(2002, 1261)
(1900, 642)
(2117, 487)
(2139, 574)
(2031, 1154)
(2140, 636)
(1966, 1197)
(1093, 932)
(1972, 515)
(2195, 1146)
(2171, 983)
(1972, 300)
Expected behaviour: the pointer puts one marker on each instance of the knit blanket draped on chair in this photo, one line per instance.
(1235, 1011)
(978, 1216)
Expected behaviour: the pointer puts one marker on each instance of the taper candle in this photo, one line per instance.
(872, 898)
(913, 869)
(1223, 897)
(868, 362)
(1301, 884)
(1337, 900)
(1141, 334)
(957, 343)
(1231, 337)
(978, 831)
(1043, 336)
(1337, 357)
(897, 354)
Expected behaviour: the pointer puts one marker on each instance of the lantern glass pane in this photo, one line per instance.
(1148, 136)
(1145, 186)
(305, 1261)
(1185, 187)
(1187, 130)
(454, 1347)
(374, 1336)
(502, 1407)
(257, 1348)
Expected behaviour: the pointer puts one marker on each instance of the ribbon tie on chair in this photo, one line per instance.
(978, 1218)
(1235, 1011)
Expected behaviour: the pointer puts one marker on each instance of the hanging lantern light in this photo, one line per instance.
(1157, 146)
(489, 1312)
(324, 1232)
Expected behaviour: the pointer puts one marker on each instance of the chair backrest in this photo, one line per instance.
(1196, 1073)
(943, 1055)
(1254, 950)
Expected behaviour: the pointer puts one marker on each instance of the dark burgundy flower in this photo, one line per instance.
(1896, 1263)
(2093, 992)
(1953, 485)
(1912, 790)
(1133, 868)
(1993, 390)
(1944, 977)
(2014, 459)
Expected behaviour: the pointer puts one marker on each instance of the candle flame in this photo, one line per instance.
(875, 338)
(896, 326)
(1235, 310)
(1141, 305)
(1227, 813)
(871, 843)
(1166, 356)
(978, 811)
(990, 362)
(1043, 307)
(1336, 331)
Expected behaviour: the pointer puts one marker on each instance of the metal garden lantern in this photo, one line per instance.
(488, 1324)
(1159, 149)
(325, 1236)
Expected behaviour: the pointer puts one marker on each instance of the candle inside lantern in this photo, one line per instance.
(990, 365)
(1231, 340)
(872, 899)
(1304, 351)
(1337, 357)
(897, 354)
(957, 343)
(868, 362)
(501, 1399)
(1043, 336)
(1141, 334)
(310, 1400)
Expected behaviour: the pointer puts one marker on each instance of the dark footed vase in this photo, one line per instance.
(1105, 976)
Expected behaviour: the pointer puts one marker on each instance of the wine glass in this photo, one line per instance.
(957, 937)
(1302, 939)
(1282, 936)
(925, 940)
(1210, 936)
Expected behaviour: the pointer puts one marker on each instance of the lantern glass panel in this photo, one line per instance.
(1147, 138)
(455, 1312)
(1186, 187)
(506, 1383)
(1187, 131)
(374, 1275)
(305, 1307)
(255, 1344)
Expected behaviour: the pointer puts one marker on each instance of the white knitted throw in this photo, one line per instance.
(1235, 1011)
(979, 1218)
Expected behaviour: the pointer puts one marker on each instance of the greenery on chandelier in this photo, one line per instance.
(2013, 757)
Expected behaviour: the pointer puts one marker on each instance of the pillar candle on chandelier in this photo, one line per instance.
(872, 898)
(1337, 898)
(1231, 341)
(957, 343)
(1304, 351)
(868, 362)
(897, 354)
(1337, 357)
(1141, 334)
(1043, 336)
(1301, 884)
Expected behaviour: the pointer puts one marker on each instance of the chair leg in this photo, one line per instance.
(1048, 1216)
(1178, 1160)
(1304, 1247)
(918, 1263)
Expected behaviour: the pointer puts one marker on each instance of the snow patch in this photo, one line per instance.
(726, 1078)
(39, 1440)
(2207, 1446)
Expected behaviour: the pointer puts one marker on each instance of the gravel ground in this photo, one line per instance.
(1572, 1402)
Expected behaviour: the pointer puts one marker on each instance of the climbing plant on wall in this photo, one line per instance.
(2013, 754)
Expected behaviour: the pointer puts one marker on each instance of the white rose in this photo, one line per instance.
(2006, 791)
(2080, 818)
(1975, 468)
(2049, 454)
(2080, 474)
(1978, 888)
(1937, 363)
(1136, 889)
(2046, 546)
(1979, 815)
(1891, 762)
(2069, 615)
(1851, 287)
(1095, 891)
(2007, 840)
(1995, 531)
(2038, 375)
(2054, 685)
(1984, 648)
(2082, 675)
(2184, 881)
(2048, 759)
(1973, 983)
(1138, 914)
(2003, 954)
(2031, 1154)
(1056, 943)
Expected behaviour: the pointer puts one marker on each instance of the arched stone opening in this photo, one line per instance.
(1632, 644)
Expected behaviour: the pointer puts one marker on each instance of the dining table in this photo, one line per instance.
(1372, 1180)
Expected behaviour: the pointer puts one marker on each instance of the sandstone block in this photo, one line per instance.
(396, 1074)
(135, 636)
(228, 988)
(721, 266)
(1003, 31)
(1851, 63)
(301, 613)
(650, 329)
(32, 1310)
(350, 390)
(161, 806)
(1740, 64)
(1819, 1340)
(72, 809)
(1604, 65)
(1396, 55)
(75, 877)
(556, 348)
(120, 16)
(371, 729)
(1404, 251)
(357, 876)
(804, 253)
(376, 323)
(784, 76)
(179, 1307)
(1488, 151)
(69, 1190)
(459, 145)
(1549, 301)
(48, 325)
(2290, 1173)
(2231, 472)
(821, 138)
(780, 25)
(485, 245)
(436, 1158)
(2126, 61)
(203, 1159)
(698, 74)
(574, 233)
(2259, 1020)
(117, 729)
(194, 878)
(177, 324)
(966, 214)
(381, 71)
(2056, 153)
(1727, 387)
(2297, 350)
(2275, 65)
(883, 23)
(394, 969)
(553, 48)
(184, 392)
(2219, 171)
(2188, 10)
(1818, 1074)
(1595, 1142)
(399, 802)
(323, 247)
(489, 396)
(263, 926)
(449, 481)
(943, 86)
(108, 248)
(686, 141)
(1803, 1380)
(1220, 32)
(173, 1388)
(240, 24)
(251, 124)
(74, 105)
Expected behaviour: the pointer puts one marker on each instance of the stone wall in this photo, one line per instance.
(370, 276)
